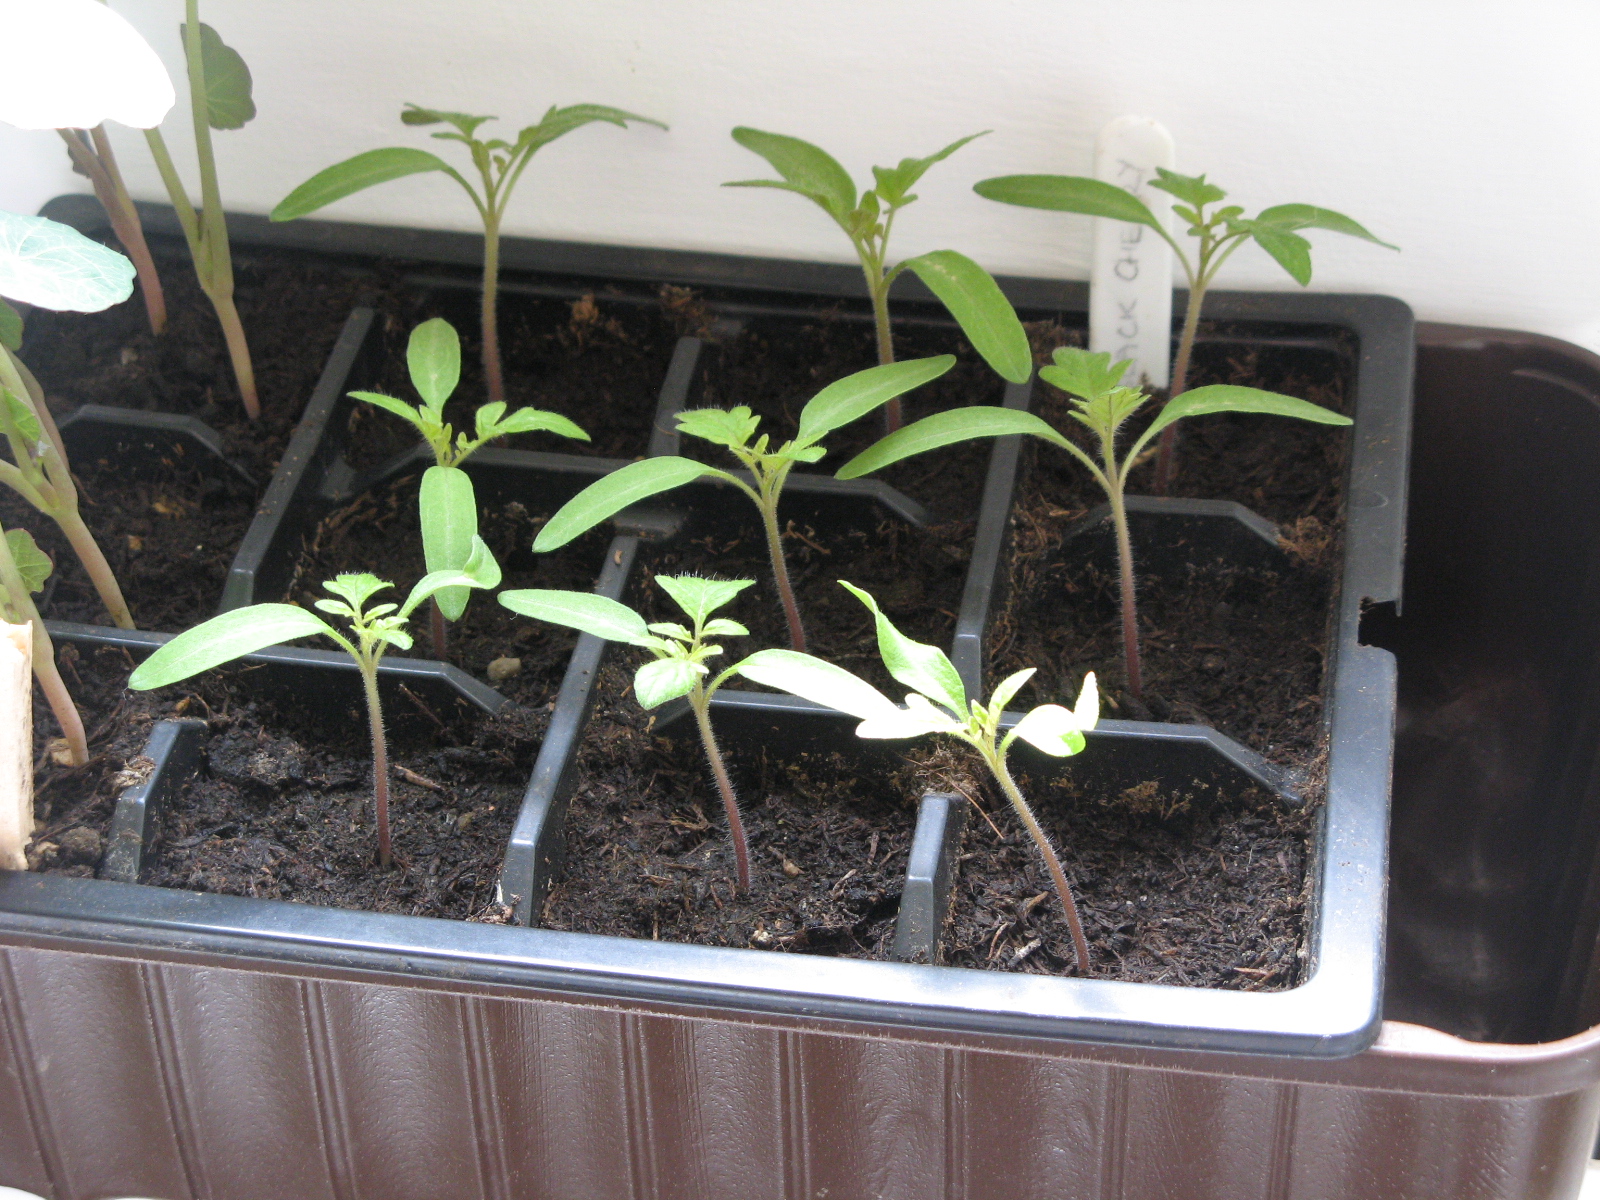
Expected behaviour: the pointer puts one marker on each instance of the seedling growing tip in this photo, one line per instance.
(833, 407)
(447, 505)
(678, 666)
(1102, 405)
(965, 288)
(1217, 233)
(938, 704)
(374, 629)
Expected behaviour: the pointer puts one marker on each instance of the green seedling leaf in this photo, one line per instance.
(854, 396)
(672, 629)
(894, 182)
(919, 666)
(415, 114)
(356, 588)
(225, 638)
(389, 404)
(433, 356)
(583, 611)
(1080, 373)
(1309, 216)
(722, 627)
(32, 563)
(51, 265)
(1225, 397)
(731, 427)
(1289, 250)
(1191, 189)
(806, 169)
(607, 496)
(481, 571)
(942, 429)
(980, 308)
(1068, 193)
(1059, 731)
(665, 679)
(818, 681)
(1006, 690)
(534, 420)
(21, 416)
(701, 597)
(228, 101)
(10, 327)
(561, 121)
(449, 511)
(355, 175)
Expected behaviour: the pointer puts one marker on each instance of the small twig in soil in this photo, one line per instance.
(411, 776)
(421, 707)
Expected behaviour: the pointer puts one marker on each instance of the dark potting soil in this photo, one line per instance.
(599, 359)
(1240, 650)
(1190, 890)
(648, 853)
(378, 533)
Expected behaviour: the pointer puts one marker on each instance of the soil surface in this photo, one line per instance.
(1240, 650)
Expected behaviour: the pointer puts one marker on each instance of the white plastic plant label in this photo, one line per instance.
(1130, 285)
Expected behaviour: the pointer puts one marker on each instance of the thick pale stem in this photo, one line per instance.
(1167, 454)
(780, 572)
(1130, 616)
(380, 760)
(130, 231)
(1080, 944)
(238, 351)
(493, 380)
(701, 703)
(94, 562)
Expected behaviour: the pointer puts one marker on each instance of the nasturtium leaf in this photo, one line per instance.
(1191, 189)
(1309, 216)
(535, 420)
(51, 265)
(1068, 193)
(355, 175)
(1080, 373)
(1053, 729)
(980, 308)
(583, 611)
(701, 597)
(449, 513)
(723, 627)
(73, 64)
(561, 121)
(10, 327)
(1226, 397)
(32, 563)
(894, 182)
(389, 404)
(228, 101)
(21, 416)
(433, 357)
(1289, 250)
(665, 679)
(854, 396)
(1005, 691)
(721, 426)
(807, 169)
(923, 667)
(612, 493)
(224, 638)
(942, 429)
(813, 679)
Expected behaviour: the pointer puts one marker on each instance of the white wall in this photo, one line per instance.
(1463, 131)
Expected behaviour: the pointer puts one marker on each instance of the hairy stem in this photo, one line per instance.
(100, 165)
(701, 703)
(493, 379)
(1080, 944)
(380, 757)
(1130, 617)
(94, 562)
(438, 631)
(780, 572)
(1167, 454)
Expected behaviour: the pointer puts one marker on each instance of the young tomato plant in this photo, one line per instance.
(1102, 405)
(938, 704)
(965, 288)
(374, 629)
(1217, 233)
(23, 570)
(833, 407)
(678, 666)
(446, 504)
(499, 165)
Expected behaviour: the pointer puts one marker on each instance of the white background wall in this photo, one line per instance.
(1464, 131)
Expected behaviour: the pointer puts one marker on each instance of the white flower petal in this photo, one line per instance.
(71, 64)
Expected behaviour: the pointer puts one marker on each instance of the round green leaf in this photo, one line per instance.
(223, 639)
(354, 175)
(228, 101)
(980, 308)
(32, 563)
(51, 265)
(607, 496)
